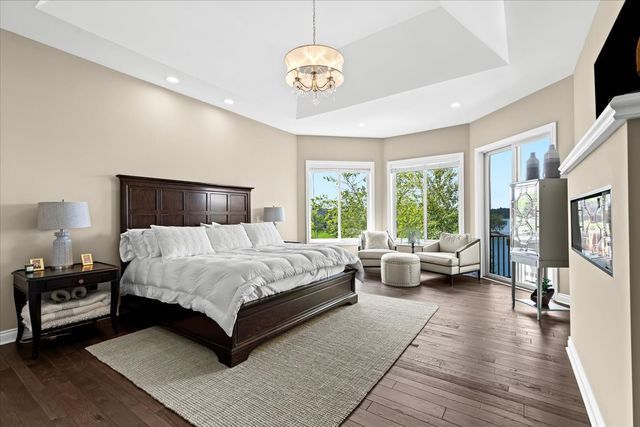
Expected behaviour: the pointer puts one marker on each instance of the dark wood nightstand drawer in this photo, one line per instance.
(86, 279)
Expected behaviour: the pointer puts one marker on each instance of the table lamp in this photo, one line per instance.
(61, 216)
(274, 214)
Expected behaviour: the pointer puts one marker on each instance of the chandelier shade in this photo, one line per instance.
(314, 68)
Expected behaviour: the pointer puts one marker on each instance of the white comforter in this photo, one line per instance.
(217, 285)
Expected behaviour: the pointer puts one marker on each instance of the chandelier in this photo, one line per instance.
(314, 68)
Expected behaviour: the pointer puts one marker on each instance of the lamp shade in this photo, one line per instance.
(62, 215)
(274, 214)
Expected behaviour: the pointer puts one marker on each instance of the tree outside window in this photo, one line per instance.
(433, 192)
(339, 205)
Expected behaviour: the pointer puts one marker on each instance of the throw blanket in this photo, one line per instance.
(217, 285)
(58, 314)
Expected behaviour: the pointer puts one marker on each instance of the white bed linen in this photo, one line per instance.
(218, 284)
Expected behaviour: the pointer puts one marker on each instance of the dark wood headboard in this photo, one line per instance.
(147, 201)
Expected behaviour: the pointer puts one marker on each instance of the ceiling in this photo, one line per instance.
(406, 62)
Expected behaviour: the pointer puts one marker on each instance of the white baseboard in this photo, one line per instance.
(563, 298)
(585, 388)
(8, 335)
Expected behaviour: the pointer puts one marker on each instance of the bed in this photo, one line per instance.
(152, 201)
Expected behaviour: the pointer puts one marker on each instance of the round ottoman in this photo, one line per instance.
(400, 269)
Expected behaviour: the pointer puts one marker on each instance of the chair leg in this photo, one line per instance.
(451, 280)
(478, 275)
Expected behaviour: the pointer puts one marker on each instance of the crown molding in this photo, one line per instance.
(620, 109)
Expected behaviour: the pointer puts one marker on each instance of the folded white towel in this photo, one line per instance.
(61, 295)
(91, 298)
(72, 319)
(47, 317)
(79, 292)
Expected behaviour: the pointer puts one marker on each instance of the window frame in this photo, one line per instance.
(514, 143)
(455, 160)
(338, 166)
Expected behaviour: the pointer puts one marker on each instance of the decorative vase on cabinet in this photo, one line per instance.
(539, 231)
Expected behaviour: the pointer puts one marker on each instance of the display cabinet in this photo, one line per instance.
(539, 231)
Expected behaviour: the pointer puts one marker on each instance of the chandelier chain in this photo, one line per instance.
(314, 21)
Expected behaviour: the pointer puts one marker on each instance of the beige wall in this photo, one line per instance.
(601, 308)
(67, 126)
(633, 150)
(436, 142)
(345, 149)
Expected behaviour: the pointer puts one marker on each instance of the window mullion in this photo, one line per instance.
(339, 205)
(424, 203)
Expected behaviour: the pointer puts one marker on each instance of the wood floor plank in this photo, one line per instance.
(477, 362)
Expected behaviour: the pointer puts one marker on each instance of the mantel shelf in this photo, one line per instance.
(620, 109)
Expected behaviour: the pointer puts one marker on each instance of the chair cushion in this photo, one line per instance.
(376, 240)
(373, 253)
(440, 258)
(453, 242)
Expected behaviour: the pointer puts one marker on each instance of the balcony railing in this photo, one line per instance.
(499, 250)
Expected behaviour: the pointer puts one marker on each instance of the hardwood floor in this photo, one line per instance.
(476, 363)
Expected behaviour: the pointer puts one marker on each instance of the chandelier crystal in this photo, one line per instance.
(314, 69)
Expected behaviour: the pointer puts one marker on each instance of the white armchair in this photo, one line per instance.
(452, 254)
(374, 244)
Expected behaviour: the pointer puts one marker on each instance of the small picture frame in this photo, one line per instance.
(87, 259)
(38, 264)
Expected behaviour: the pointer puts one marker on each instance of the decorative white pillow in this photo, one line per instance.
(453, 242)
(228, 237)
(126, 248)
(132, 244)
(263, 234)
(151, 242)
(176, 242)
(376, 240)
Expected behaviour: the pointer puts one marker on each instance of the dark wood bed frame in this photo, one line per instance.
(147, 201)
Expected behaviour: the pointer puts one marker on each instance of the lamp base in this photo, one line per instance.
(62, 252)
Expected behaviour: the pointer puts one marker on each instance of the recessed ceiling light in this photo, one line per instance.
(173, 79)
(229, 101)
(362, 124)
(455, 105)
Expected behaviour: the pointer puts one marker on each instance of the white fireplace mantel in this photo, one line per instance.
(620, 109)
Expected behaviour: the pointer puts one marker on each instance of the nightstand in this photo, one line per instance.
(30, 287)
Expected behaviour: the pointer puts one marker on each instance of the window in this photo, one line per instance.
(425, 197)
(339, 200)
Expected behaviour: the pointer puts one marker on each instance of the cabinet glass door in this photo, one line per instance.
(525, 217)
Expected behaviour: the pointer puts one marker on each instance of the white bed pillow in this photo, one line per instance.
(263, 234)
(151, 242)
(228, 237)
(138, 243)
(376, 240)
(132, 244)
(177, 242)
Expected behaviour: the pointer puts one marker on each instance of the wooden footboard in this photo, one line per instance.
(257, 321)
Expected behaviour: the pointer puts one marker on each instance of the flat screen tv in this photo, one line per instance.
(617, 68)
(591, 228)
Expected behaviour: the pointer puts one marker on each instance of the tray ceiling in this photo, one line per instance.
(406, 62)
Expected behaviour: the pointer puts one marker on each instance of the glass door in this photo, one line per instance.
(499, 176)
(503, 167)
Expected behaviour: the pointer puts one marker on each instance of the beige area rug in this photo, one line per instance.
(313, 375)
